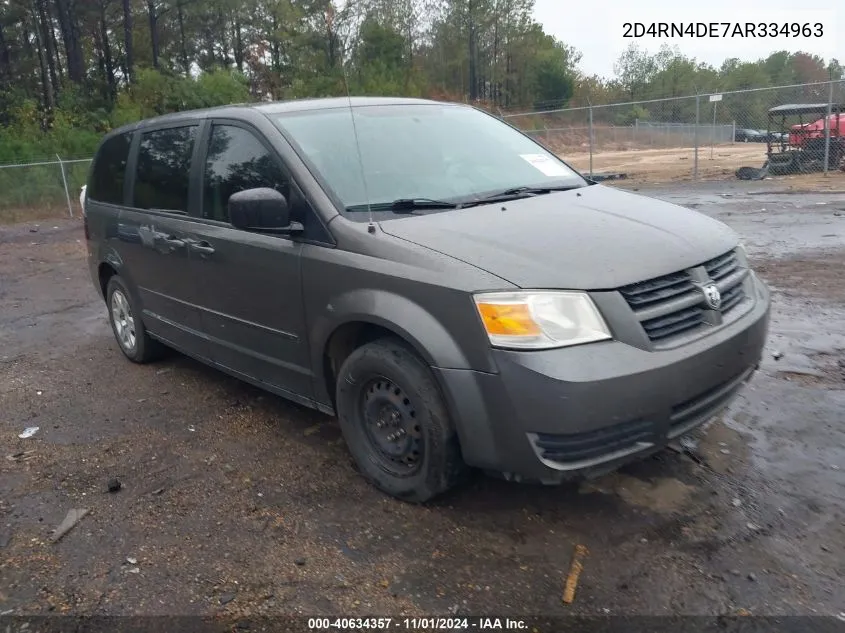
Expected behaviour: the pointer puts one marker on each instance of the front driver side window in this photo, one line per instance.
(237, 161)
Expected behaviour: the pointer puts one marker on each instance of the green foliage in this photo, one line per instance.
(494, 52)
(553, 79)
(157, 93)
(78, 123)
(380, 64)
(221, 87)
(379, 44)
(634, 69)
(126, 110)
(76, 130)
(631, 115)
(24, 140)
(668, 73)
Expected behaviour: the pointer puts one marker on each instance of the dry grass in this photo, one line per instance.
(666, 165)
(616, 139)
(32, 214)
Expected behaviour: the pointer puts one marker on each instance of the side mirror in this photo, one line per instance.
(261, 209)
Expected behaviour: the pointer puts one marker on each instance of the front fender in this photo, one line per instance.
(400, 315)
(423, 297)
(435, 344)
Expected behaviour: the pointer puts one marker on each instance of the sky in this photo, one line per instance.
(596, 28)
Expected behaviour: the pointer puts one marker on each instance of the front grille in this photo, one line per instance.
(674, 323)
(646, 293)
(592, 444)
(732, 297)
(720, 267)
(674, 305)
(727, 270)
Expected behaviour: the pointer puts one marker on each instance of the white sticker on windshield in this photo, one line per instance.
(546, 164)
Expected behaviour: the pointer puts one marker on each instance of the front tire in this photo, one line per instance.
(127, 326)
(396, 424)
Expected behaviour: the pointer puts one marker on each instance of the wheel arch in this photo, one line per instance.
(110, 265)
(372, 314)
(105, 271)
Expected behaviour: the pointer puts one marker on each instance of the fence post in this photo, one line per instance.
(827, 128)
(591, 141)
(695, 137)
(733, 133)
(713, 131)
(64, 181)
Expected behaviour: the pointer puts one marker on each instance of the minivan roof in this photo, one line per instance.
(296, 105)
(275, 107)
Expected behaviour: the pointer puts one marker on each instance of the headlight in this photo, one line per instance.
(540, 319)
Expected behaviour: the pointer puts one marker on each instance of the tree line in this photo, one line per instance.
(71, 69)
(668, 74)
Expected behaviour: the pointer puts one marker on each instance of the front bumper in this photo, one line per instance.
(553, 415)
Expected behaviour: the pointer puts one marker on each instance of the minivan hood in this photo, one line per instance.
(592, 238)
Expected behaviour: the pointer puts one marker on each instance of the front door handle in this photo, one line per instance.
(202, 247)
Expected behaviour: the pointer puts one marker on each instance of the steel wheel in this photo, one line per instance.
(123, 321)
(395, 422)
(391, 427)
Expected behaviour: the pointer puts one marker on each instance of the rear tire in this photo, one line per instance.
(127, 326)
(396, 424)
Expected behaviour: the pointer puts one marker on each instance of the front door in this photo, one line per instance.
(251, 292)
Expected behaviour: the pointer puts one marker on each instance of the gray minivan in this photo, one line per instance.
(455, 293)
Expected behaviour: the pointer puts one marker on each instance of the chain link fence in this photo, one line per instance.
(679, 138)
(42, 188)
(700, 136)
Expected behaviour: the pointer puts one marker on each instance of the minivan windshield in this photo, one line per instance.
(425, 157)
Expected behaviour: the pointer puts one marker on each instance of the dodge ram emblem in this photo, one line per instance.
(712, 296)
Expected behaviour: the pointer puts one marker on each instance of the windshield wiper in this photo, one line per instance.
(405, 205)
(518, 191)
(412, 205)
(401, 205)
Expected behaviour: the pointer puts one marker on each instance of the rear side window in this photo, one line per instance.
(237, 161)
(110, 170)
(164, 166)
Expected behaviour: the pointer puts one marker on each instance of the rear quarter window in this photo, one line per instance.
(109, 172)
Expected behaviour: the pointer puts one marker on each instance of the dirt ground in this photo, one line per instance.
(14, 215)
(668, 165)
(237, 503)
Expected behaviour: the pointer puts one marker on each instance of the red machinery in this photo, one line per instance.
(801, 147)
(800, 134)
